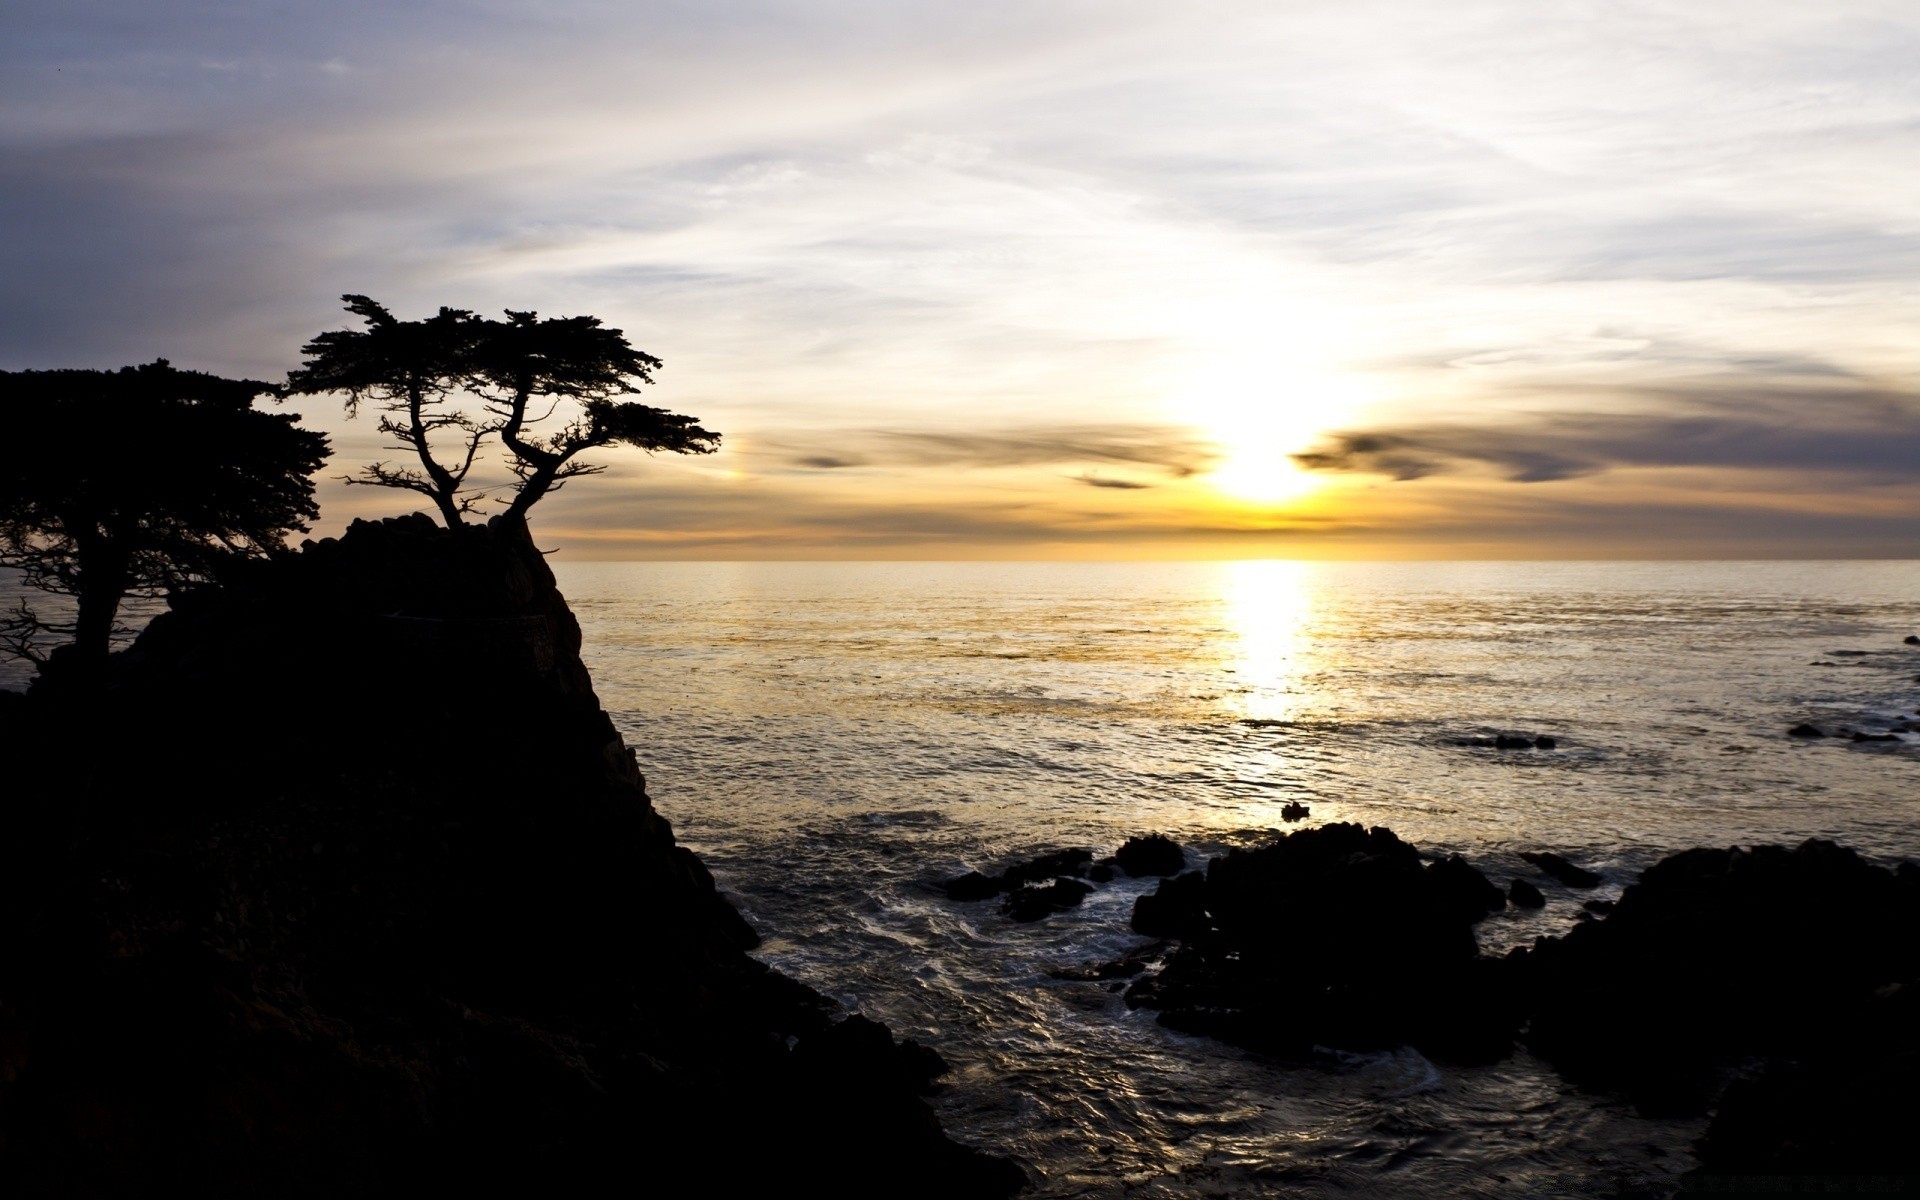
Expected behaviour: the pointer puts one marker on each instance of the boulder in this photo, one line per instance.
(1176, 909)
(1562, 870)
(1715, 957)
(1032, 901)
(1337, 935)
(1525, 895)
(1153, 854)
(1461, 886)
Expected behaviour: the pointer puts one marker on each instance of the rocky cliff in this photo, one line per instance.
(346, 885)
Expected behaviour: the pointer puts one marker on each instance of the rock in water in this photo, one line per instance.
(1154, 854)
(1720, 956)
(1562, 870)
(370, 898)
(1336, 936)
(1525, 895)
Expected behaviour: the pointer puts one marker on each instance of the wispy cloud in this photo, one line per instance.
(893, 249)
(1846, 435)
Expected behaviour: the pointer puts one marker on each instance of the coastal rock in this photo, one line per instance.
(1176, 909)
(1525, 895)
(1325, 936)
(974, 886)
(1718, 956)
(1058, 864)
(1804, 730)
(370, 898)
(1460, 886)
(1293, 811)
(1153, 854)
(1032, 901)
(1559, 868)
(1850, 1111)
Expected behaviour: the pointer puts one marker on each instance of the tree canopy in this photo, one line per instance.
(516, 375)
(410, 369)
(138, 481)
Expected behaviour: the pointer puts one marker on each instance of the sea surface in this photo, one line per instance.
(837, 739)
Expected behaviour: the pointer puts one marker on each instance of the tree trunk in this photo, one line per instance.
(93, 627)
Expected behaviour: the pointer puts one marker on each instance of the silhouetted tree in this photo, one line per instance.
(561, 361)
(523, 372)
(410, 369)
(135, 482)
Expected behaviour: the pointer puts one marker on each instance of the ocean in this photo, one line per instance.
(838, 739)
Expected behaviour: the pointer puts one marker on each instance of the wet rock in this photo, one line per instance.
(1032, 901)
(1176, 909)
(1525, 895)
(1875, 737)
(1512, 741)
(1804, 730)
(1559, 868)
(1545, 742)
(1048, 866)
(1463, 889)
(1715, 957)
(1911, 640)
(973, 886)
(976, 886)
(1293, 811)
(1154, 854)
(1598, 907)
(1101, 872)
(1337, 935)
(1848, 1112)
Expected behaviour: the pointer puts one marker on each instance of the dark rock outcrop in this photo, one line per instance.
(1714, 957)
(1152, 854)
(1059, 864)
(1338, 935)
(1568, 873)
(345, 885)
(1175, 909)
(1459, 885)
(1525, 895)
(1031, 901)
(1804, 730)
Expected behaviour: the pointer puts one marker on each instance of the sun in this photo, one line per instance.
(1260, 413)
(1261, 476)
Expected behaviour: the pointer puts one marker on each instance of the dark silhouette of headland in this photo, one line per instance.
(338, 881)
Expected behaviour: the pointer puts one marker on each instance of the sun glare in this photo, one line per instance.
(1261, 413)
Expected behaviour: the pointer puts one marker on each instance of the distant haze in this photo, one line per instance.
(1106, 279)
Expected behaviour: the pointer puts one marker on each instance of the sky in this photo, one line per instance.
(1046, 278)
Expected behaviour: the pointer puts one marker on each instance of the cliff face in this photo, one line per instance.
(347, 885)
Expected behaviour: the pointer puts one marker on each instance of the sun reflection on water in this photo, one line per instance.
(1268, 605)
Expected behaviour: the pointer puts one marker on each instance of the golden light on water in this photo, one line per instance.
(1268, 608)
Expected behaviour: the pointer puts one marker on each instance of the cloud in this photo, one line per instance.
(1868, 436)
(881, 245)
(1178, 452)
